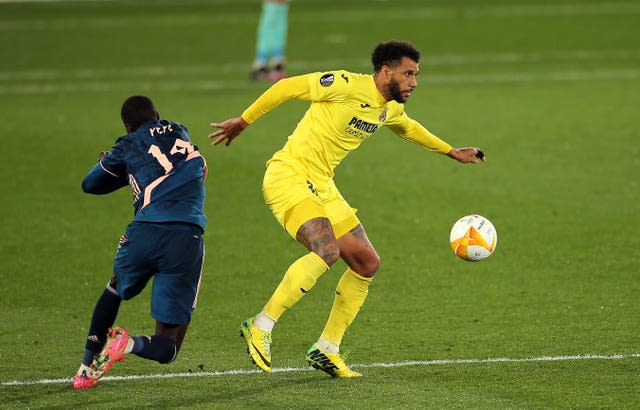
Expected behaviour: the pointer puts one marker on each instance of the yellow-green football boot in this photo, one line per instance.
(330, 363)
(258, 344)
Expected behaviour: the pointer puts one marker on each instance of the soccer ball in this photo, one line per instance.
(473, 238)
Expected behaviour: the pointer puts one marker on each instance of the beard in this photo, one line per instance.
(396, 93)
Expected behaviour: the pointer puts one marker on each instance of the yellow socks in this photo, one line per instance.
(351, 293)
(299, 279)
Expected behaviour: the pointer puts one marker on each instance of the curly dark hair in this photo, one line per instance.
(390, 53)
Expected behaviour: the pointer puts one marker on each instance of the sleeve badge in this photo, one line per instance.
(326, 80)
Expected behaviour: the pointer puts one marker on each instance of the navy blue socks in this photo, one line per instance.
(160, 348)
(104, 315)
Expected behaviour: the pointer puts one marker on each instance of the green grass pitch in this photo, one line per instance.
(549, 89)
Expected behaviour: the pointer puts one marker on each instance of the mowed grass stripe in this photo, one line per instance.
(226, 68)
(335, 15)
(187, 84)
(585, 357)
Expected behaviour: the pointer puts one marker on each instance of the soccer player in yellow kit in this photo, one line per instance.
(346, 109)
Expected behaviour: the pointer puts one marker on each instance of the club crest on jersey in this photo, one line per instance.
(326, 80)
(383, 116)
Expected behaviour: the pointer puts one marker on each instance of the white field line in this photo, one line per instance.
(432, 80)
(411, 363)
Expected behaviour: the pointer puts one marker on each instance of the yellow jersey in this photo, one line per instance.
(346, 108)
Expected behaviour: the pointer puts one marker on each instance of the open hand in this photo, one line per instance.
(227, 130)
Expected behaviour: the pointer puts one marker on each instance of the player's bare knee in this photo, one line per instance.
(372, 266)
(317, 236)
(329, 252)
(365, 266)
(369, 269)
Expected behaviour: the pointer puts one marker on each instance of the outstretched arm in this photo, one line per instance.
(285, 89)
(413, 131)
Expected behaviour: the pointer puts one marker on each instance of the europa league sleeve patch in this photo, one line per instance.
(326, 80)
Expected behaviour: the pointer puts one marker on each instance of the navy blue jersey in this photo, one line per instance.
(165, 171)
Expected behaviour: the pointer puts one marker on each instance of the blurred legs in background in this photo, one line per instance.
(271, 40)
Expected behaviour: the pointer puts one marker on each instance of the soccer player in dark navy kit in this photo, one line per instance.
(164, 241)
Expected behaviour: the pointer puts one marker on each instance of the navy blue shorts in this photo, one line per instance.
(172, 254)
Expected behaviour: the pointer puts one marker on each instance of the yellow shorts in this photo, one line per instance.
(294, 199)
